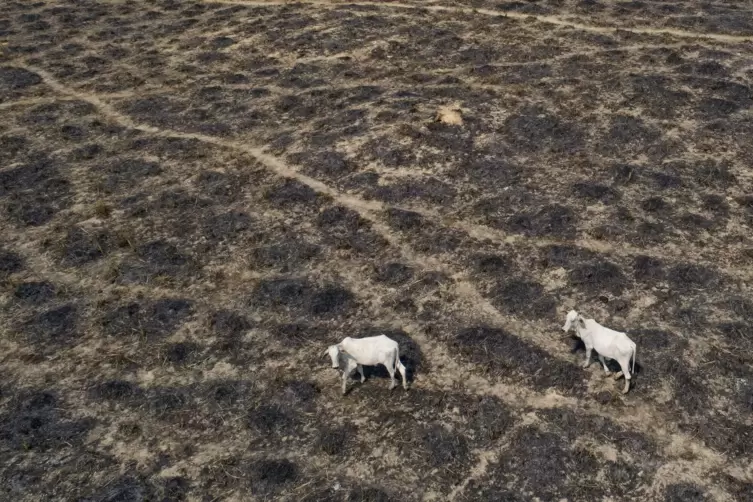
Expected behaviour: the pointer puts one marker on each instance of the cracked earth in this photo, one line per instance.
(197, 197)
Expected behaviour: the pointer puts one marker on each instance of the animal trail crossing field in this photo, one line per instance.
(197, 199)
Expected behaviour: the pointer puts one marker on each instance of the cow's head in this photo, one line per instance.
(333, 351)
(572, 317)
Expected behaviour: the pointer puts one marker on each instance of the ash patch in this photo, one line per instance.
(551, 220)
(393, 274)
(345, 229)
(35, 191)
(647, 269)
(81, 247)
(687, 277)
(10, 262)
(287, 254)
(116, 391)
(155, 258)
(34, 293)
(228, 226)
(52, 329)
(538, 464)
(684, 492)
(535, 129)
(129, 172)
(300, 295)
(150, 320)
(270, 476)
(504, 354)
(292, 193)
(523, 298)
(12, 79)
(36, 421)
(601, 276)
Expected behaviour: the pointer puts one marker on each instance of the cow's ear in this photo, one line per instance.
(581, 322)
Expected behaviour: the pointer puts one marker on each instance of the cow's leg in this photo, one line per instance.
(349, 368)
(603, 363)
(345, 381)
(403, 373)
(360, 370)
(391, 370)
(624, 364)
(587, 362)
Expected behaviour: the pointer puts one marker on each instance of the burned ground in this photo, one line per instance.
(197, 198)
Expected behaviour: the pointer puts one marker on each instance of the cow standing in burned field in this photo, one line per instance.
(197, 197)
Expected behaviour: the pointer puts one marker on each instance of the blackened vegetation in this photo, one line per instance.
(228, 226)
(401, 219)
(628, 133)
(553, 220)
(523, 298)
(219, 186)
(52, 329)
(270, 476)
(344, 228)
(10, 262)
(684, 492)
(601, 276)
(297, 334)
(229, 323)
(181, 353)
(571, 426)
(292, 193)
(13, 79)
(393, 274)
(369, 494)
(491, 264)
(301, 296)
(334, 441)
(271, 418)
(595, 192)
(535, 129)
(328, 163)
(504, 354)
(116, 391)
(34, 293)
(166, 403)
(36, 420)
(154, 259)
(686, 277)
(82, 246)
(287, 254)
(429, 189)
(149, 320)
(130, 488)
(538, 464)
(565, 256)
(446, 449)
(129, 172)
(34, 191)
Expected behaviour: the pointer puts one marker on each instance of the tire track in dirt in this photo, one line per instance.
(546, 19)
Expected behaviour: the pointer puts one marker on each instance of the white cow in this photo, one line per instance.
(369, 351)
(609, 344)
